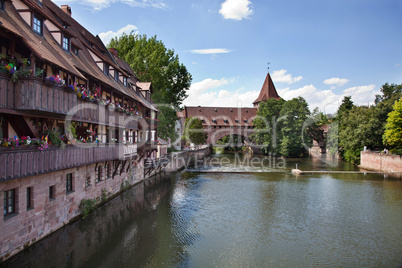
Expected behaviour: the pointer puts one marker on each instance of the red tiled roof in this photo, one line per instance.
(221, 116)
(268, 91)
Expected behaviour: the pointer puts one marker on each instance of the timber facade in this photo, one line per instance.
(75, 121)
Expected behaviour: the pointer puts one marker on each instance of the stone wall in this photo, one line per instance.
(27, 225)
(380, 161)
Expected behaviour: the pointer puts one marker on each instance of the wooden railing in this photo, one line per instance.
(33, 97)
(23, 162)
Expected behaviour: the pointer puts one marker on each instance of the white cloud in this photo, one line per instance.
(106, 37)
(327, 100)
(336, 81)
(101, 4)
(236, 9)
(207, 93)
(362, 95)
(210, 51)
(200, 94)
(282, 76)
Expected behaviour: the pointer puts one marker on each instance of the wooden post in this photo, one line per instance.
(32, 65)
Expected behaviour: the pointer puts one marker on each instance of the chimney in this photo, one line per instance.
(114, 52)
(66, 8)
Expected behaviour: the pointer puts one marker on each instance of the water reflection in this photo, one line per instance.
(252, 219)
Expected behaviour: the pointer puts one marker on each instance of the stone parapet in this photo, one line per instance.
(380, 161)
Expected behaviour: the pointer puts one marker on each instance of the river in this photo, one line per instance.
(238, 211)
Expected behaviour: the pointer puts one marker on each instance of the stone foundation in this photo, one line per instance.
(27, 225)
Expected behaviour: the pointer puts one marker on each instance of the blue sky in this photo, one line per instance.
(321, 50)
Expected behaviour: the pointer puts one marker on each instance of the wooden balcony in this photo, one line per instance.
(33, 97)
(25, 161)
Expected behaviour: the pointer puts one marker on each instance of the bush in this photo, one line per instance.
(86, 206)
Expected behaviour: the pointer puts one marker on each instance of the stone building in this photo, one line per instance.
(75, 121)
(219, 122)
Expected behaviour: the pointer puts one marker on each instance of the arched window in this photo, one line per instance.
(99, 174)
(109, 170)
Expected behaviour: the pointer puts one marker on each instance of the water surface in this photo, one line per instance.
(262, 216)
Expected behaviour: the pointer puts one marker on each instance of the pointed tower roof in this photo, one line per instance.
(267, 91)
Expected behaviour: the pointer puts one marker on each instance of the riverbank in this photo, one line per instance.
(261, 216)
(53, 207)
(377, 161)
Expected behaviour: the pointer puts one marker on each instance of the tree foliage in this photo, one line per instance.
(166, 126)
(153, 62)
(365, 126)
(279, 126)
(293, 114)
(316, 128)
(194, 132)
(393, 129)
(266, 125)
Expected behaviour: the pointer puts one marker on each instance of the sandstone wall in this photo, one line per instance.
(380, 162)
(26, 226)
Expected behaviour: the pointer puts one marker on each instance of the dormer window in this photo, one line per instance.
(214, 120)
(125, 81)
(66, 43)
(106, 69)
(2, 5)
(37, 25)
(75, 50)
(237, 121)
(226, 121)
(245, 121)
(116, 76)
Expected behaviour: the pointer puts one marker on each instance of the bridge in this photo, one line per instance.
(219, 122)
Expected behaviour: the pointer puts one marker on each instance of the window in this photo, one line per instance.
(88, 181)
(9, 202)
(99, 174)
(2, 5)
(75, 50)
(37, 25)
(116, 76)
(29, 198)
(69, 182)
(109, 170)
(52, 192)
(106, 69)
(125, 81)
(66, 43)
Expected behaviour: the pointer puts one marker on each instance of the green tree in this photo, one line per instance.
(153, 62)
(166, 126)
(315, 128)
(356, 133)
(194, 132)
(294, 113)
(393, 129)
(333, 141)
(265, 124)
(389, 92)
